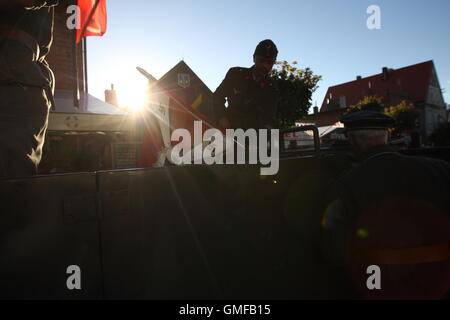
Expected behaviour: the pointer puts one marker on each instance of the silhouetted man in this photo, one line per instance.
(391, 212)
(247, 97)
(26, 83)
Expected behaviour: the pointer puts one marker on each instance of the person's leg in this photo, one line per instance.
(23, 122)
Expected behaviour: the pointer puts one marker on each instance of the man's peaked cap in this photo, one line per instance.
(364, 120)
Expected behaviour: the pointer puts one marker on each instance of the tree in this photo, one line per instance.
(296, 87)
(405, 116)
(369, 103)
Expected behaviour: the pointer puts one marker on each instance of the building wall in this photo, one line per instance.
(196, 93)
(61, 57)
(434, 95)
(433, 118)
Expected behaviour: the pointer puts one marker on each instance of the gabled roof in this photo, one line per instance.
(180, 66)
(413, 80)
(195, 94)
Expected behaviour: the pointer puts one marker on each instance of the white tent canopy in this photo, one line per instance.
(92, 114)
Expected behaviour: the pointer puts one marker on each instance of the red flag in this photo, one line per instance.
(92, 18)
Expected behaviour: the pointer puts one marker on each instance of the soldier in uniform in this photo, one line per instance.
(247, 98)
(391, 211)
(26, 83)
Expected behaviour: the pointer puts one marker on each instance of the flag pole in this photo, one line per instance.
(86, 87)
(75, 55)
(76, 101)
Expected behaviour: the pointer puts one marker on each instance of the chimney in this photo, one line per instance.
(111, 96)
(358, 78)
(316, 109)
(385, 73)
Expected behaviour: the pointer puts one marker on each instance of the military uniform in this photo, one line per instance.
(392, 211)
(26, 86)
(251, 99)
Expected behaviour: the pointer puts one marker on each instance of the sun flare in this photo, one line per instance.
(131, 91)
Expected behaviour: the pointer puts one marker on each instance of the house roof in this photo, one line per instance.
(195, 93)
(177, 67)
(413, 80)
(64, 102)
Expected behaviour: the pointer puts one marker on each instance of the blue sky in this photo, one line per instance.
(329, 36)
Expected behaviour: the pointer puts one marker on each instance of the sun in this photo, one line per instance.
(131, 90)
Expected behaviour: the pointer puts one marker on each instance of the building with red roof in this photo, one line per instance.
(417, 84)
